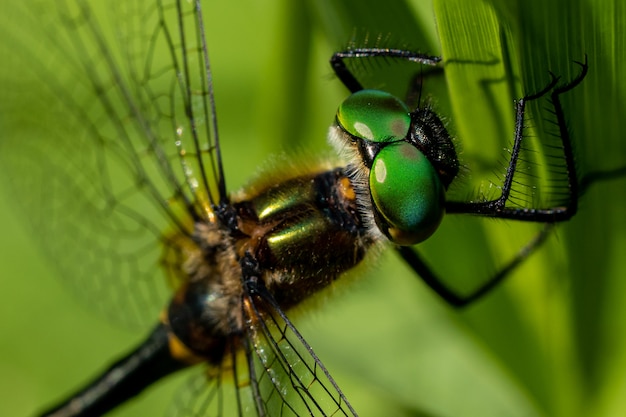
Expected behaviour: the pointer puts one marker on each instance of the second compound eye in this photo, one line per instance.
(375, 116)
(407, 194)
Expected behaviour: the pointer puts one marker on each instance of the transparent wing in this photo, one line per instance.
(107, 141)
(290, 380)
(271, 371)
(215, 392)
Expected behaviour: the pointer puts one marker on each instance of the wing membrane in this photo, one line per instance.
(105, 139)
(271, 371)
(291, 379)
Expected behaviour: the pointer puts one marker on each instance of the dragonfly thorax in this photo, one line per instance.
(301, 234)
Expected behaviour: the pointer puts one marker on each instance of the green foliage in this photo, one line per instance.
(548, 343)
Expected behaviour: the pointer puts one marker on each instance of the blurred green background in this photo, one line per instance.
(550, 342)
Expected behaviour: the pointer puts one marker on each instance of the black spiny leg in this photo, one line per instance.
(497, 207)
(337, 61)
(411, 257)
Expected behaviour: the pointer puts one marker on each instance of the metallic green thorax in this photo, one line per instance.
(305, 231)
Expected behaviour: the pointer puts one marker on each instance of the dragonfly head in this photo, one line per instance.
(407, 157)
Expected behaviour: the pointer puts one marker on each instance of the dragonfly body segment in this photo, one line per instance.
(301, 235)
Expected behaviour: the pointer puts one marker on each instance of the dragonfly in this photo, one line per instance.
(259, 351)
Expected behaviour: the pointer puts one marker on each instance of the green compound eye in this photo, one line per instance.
(374, 115)
(407, 193)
